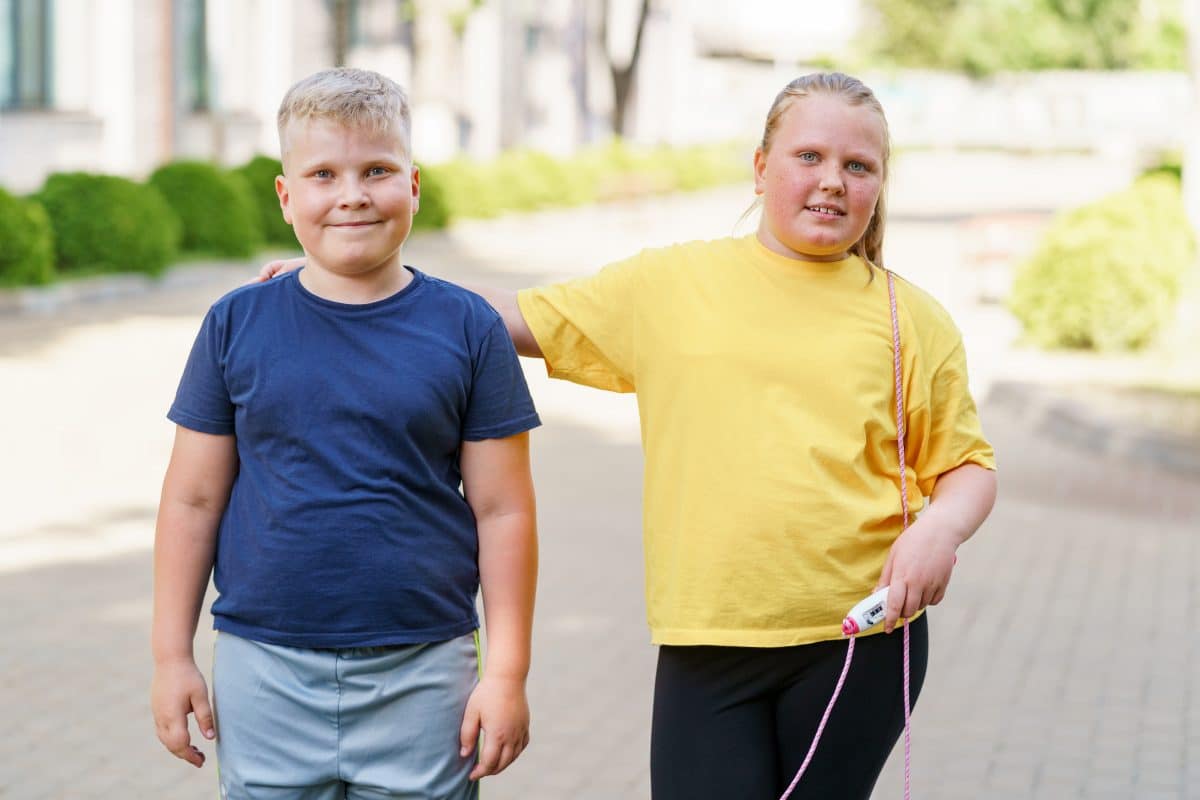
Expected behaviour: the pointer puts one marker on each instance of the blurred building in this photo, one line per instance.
(122, 86)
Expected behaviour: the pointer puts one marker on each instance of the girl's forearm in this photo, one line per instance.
(505, 303)
(962, 499)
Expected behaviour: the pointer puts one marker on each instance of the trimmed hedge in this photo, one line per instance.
(216, 207)
(525, 180)
(27, 257)
(1107, 276)
(259, 174)
(103, 223)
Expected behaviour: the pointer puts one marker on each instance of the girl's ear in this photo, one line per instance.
(760, 169)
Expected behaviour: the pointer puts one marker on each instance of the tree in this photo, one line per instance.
(1191, 154)
(985, 36)
(622, 75)
(340, 12)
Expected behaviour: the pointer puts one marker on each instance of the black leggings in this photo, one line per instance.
(734, 723)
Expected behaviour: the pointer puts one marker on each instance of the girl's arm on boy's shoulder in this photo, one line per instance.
(499, 488)
(918, 566)
(503, 300)
(194, 494)
(505, 303)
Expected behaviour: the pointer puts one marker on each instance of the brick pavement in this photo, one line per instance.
(1062, 664)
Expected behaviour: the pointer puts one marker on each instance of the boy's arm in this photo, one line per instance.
(194, 494)
(919, 564)
(499, 489)
(503, 300)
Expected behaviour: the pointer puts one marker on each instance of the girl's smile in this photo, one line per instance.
(820, 178)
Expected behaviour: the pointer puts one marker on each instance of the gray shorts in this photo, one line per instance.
(360, 723)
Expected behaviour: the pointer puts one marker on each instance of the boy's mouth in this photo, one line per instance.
(361, 224)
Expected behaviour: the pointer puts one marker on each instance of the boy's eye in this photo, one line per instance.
(808, 156)
(323, 173)
(377, 171)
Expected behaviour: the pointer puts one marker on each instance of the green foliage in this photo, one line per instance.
(985, 36)
(103, 223)
(1167, 164)
(108, 224)
(28, 253)
(525, 180)
(1107, 276)
(216, 207)
(433, 211)
(259, 174)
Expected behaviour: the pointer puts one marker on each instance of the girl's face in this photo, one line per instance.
(820, 178)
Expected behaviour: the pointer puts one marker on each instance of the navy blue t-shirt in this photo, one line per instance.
(346, 526)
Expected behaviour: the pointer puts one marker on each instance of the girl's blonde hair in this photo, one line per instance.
(870, 246)
(356, 98)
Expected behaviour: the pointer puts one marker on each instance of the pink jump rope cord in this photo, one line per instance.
(901, 432)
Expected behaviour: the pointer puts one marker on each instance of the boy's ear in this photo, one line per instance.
(760, 168)
(416, 188)
(282, 190)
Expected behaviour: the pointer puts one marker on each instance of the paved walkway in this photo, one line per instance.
(1064, 660)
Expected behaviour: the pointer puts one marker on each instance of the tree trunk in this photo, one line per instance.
(341, 31)
(623, 76)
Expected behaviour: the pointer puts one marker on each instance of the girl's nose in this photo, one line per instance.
(831, 180)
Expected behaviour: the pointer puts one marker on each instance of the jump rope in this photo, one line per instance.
(871, 611)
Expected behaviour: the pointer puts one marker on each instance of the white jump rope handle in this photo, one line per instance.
(867, 613)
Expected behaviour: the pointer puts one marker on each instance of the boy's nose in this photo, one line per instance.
(352, 194)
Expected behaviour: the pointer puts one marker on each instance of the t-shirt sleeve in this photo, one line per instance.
(945, 432)
(586, 328)
(499, 404)
(202, 401)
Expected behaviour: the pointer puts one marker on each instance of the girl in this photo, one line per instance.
(764, 372)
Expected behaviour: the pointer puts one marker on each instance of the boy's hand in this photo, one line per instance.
(273, 268)
(177, 690)
(917, 571)
(499, 707)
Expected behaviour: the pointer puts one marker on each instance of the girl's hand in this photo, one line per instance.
(917, 570)
(178, 689)
(278, 267)
(498, 707)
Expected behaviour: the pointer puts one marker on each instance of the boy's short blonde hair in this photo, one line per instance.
(356, 98)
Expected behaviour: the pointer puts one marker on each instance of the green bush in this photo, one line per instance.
(1107, 276)
(103, 223)
(28, 253)
(434, 210)
(216, 207)
(467, 188)
(259, 174)
(1170, 163)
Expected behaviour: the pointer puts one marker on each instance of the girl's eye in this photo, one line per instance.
(808, 156)
(857, 166)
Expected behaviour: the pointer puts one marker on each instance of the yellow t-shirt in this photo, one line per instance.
(766, 393)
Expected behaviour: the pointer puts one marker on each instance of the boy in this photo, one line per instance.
(325, 421)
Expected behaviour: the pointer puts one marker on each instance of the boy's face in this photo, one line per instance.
(349, 194)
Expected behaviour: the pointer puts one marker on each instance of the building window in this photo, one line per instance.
(26, 79)
(193, 82)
